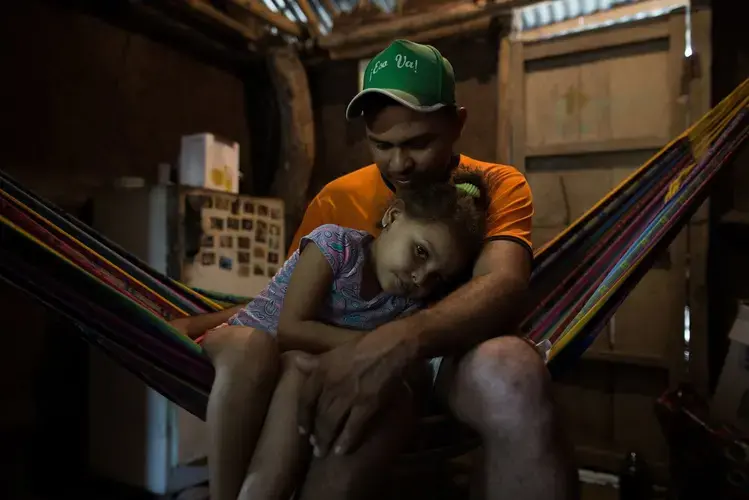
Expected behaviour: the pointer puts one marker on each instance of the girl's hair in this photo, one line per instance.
(461, 203)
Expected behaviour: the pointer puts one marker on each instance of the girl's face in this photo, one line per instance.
(413, 257)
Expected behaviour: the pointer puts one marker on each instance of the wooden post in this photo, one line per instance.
(517, 105)
(297, 156)
(699, 96)
(504, 119)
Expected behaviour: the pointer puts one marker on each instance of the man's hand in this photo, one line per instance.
(345, 387)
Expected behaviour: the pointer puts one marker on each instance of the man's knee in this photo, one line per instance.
(501, 384)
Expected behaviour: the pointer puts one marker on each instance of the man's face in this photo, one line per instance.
(409, 146)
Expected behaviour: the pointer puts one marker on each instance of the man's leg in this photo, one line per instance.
(359, 475)
(502, 390)
(247, 366)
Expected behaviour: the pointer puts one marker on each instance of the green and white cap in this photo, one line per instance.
(415, 75)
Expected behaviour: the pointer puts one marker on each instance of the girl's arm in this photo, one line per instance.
(195, 326)
(310, 284)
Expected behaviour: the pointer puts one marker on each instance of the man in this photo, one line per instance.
(355, 409)
(500, 386)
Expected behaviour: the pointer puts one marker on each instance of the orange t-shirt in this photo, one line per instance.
(359, 199)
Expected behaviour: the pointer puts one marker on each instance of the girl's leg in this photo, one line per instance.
(281, 453)
(247, 366)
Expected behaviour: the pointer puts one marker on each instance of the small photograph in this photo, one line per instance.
(259, 253)
(222, 203)
(275, 213)
(225, 263)
(274, 243)
(225, 241)
(207, 241)
(232, 223)
(246, 224)
(274, 230)
(217, 223)
(262, 210)
(272, 258)
(249, 207)
(258, 270)
(243, 271)
(243, 257)
(261, 232)
(272, 272)
(207, 201)
(235, 206)
(243, 242)
(208, 259)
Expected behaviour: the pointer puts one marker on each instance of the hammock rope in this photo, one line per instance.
(122, 305)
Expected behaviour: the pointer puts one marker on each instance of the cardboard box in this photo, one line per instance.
(209, 162)
(730, 404)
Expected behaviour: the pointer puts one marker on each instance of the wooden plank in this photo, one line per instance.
(550, 201)
(640, 98)
(679, 111)
(504, 102)
(608, 146)
(275, 19)
(313, 21)
(408, 25)
(551, 107)
(700, 85)
(517, 105)
(219, 17)
(586, 404)
(651, 315)
(698, 307)
(595, 105)
(368, 50)
(599, 39)
(636, 427)
(624, 358)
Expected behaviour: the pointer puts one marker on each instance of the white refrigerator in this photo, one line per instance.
(207, 239)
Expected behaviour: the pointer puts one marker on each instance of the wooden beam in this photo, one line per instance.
(275, 19)
(219, 17)
(360, 51)
(407, 26)
(598, 39)
(313, 22)
(605, 146)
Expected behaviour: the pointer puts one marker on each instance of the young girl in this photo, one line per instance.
(338, 285)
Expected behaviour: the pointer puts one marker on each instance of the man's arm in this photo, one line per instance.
(487, 306)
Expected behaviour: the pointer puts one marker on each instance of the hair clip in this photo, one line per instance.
(469, 189)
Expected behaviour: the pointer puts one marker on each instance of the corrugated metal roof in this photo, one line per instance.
(325, 10)
(556, 11)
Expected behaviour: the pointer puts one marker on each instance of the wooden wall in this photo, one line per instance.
(728, 269)
(585, 111)
(84, 102)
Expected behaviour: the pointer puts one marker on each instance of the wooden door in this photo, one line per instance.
(578, 114)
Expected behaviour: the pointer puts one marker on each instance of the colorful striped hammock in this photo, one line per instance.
(580, 278)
